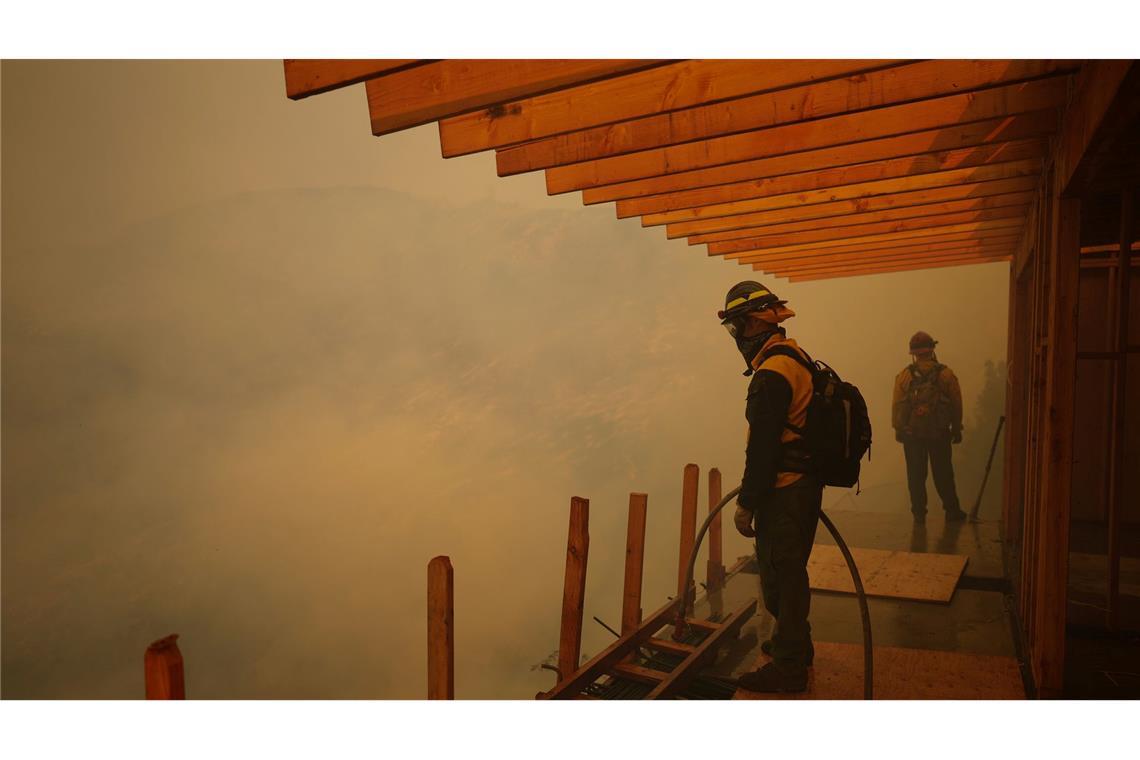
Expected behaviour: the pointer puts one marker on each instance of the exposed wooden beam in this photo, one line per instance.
(1002, 217)
(805, 232)
(962, 246)
(888, 254)
(837, 130)
(312, 76)
(868, 93)
(634, 562)
(441, 629)
(658, 90)
(688, 532)
(1096, 87)
(832, 262)
(879, 266)
(574, 589)
(867, 209)
(1030, 168)
(163, 671)
(856, 272)
(740, 248)
(935, 240)
(926, 150)
(440, 89)
(934, 237)
(906, 166)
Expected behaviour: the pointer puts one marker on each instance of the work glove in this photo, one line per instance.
(743, 520)
(956, 435)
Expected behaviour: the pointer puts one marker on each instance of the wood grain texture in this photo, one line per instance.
(898, 575)
(881, 208)
(933, 242)
(816, 263)
(902, 673)
(574, 586)
(909, 267)
(931, 114)
(634, 562)
(925, 150)
(164, 675)
(867, 92)
(905, 264)
(441, 629)
(424, 94)
(659, 90)
(997, 153)
(312, 76)
(967, 176)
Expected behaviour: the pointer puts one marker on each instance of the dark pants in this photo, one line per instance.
(785, 532)
(937, 450)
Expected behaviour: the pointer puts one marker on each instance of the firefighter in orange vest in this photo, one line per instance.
(779, 498)
(927, 417)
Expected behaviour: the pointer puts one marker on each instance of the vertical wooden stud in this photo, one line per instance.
(574, 589)
(162, 664)
(688, 531)
(1119, 403)
(441, 629)
(634, 562)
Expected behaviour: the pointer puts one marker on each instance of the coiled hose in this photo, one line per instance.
(868, 665)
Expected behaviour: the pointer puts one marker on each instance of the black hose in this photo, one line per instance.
(864, 612)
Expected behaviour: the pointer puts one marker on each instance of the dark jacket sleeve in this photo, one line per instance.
(769, 397)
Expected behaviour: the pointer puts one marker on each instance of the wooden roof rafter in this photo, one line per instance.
(822, 164)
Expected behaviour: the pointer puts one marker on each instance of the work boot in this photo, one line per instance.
(766, 648)
(955, 516)
(773, 678)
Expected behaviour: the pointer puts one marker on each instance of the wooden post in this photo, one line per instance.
(1055, 502)
(634, 562)
(1119, 405)
(688, 531)
(574, 589)
(714, 570)
(162, 664)
(441, 629)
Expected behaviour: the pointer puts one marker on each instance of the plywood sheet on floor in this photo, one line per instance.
(905, 674)
(897, 575)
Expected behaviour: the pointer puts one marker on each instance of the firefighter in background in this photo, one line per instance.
(927, 418)
(780, 496)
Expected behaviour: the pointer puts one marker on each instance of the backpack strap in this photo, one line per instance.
(807, 364)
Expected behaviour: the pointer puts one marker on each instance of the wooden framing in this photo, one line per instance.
(164, 675)
(441, 629)
(987, 141)
(933, 242)
(861, 270)
(689, 487)
(870, 92)
(975, 178)
(786, 260)
(659, 90)
(312, 76)
(922, 115)
(741, 249)
(574, 588)
(925, 211)
(805, 265)
(634, 562)
(427, 93)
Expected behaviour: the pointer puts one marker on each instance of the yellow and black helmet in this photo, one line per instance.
(742, 298)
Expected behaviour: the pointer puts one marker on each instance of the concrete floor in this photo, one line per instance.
(975, 621)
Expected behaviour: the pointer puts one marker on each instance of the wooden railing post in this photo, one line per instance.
(574, 589)
(441, 628)
(714, 571)
(162, 664)
(688, 531)
(634, 562)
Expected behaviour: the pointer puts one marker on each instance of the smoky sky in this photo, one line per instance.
(259, 367)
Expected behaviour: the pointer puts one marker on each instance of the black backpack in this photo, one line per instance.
(838, 430)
